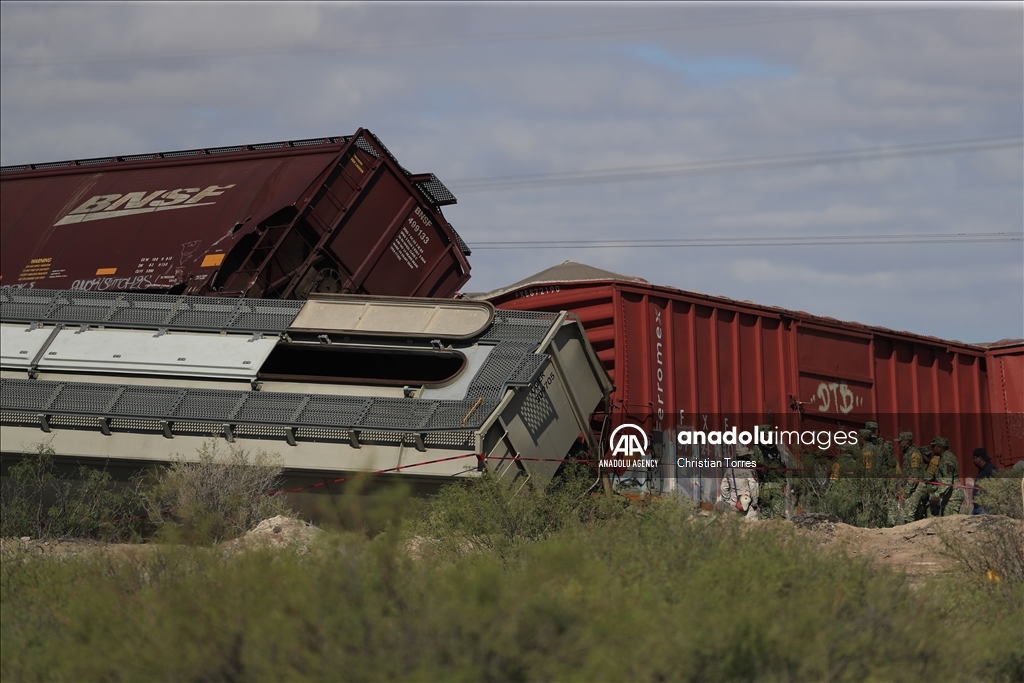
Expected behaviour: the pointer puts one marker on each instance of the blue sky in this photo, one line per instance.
(477, 91)
(708, 69)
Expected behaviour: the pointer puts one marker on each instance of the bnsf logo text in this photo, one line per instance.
(113, 205)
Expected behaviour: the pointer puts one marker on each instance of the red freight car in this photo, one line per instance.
(1006, 388)
(681, 358)
(276, 220)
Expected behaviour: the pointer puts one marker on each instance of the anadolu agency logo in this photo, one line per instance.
(628, 445)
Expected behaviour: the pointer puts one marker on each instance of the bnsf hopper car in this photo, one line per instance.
(277, 220)
(685, 359)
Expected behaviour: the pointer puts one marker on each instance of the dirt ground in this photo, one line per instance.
(916, 548)
(275, 532)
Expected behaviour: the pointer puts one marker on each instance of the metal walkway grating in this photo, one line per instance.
(512, 363)
(242, 407)
(120, 309)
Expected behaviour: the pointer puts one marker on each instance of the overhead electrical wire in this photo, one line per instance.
(621, 174)
(775, 241)
(737, 165)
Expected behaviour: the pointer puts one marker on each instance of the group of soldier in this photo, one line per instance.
(932, 485)
(928, 479)
(929, 476)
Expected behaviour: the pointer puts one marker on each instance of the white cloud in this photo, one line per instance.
(463, 109)
(832, 216)
(858, 274)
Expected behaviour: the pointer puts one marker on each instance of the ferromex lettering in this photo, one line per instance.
(114, 205)
(659, 368)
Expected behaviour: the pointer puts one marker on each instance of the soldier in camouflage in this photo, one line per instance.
(771, 477)
(913, 466)
(939, 493)
(910, 456)
(919, 501)
(869, 454)
(947, 493)
(883, 449)
(851, 457)
(879, 463)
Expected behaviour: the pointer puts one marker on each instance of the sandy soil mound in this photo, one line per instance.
(918, 548)
(276, 532)
(279, 532)
(70, 547)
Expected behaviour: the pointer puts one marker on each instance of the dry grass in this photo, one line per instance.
(220, 497)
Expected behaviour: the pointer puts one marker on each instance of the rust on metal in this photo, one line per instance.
(472, 410)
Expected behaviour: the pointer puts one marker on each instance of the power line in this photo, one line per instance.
(652, 171)
(775, 241)
(1015, 139)
(441, 42)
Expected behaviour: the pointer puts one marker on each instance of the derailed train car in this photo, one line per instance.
(424, 389)
(1006, 388)
(274, 220)
(683, 360)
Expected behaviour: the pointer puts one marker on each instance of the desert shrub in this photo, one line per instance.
(40, 500)
(1001, 494)
(859, 497)
(220, 496)
(494, 515)
(996, 553)
(647, 593)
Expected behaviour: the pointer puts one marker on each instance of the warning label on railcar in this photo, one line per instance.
(36, 269)
(408, 249)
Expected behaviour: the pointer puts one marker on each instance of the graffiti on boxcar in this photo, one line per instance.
(836, 397)
(188, 250)
(103, 284)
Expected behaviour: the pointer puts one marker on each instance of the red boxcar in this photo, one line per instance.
(275, 220)
(1006, 388)
(682, 358)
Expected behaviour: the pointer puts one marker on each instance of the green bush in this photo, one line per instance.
(651, 592)
(1001, 494)
(995, 553)
(219, 497)
(488, 514)
(40, 500)
(858, 497)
